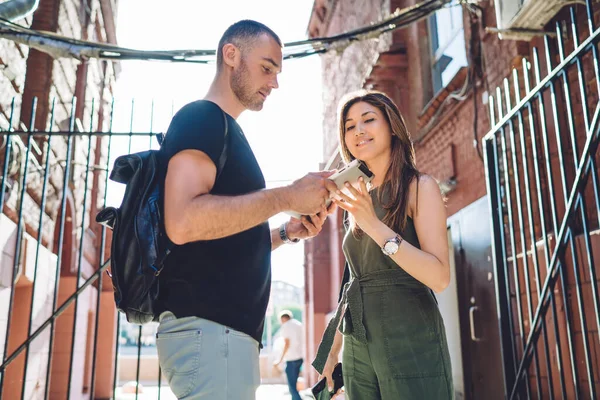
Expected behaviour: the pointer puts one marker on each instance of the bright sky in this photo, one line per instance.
(285, 135)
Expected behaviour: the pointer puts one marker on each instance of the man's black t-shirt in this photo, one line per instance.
(225, 280)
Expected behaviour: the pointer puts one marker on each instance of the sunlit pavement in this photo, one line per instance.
(264, 392)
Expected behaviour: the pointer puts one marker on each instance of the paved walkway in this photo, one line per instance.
(264, 392)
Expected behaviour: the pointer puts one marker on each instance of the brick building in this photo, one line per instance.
(443, 72)
(69, 247)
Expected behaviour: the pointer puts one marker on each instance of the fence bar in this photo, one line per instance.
(81, 251)
(545, 141)
(501, 282)
(584, 219)
(118, 317)
(507, 196)
(116, 362)
(53, 317)
(159, 380)
(137, 367)
(532, 236)
(7, 153)
(67, 133)
(567, 90)
(589, 252)
(588, 43)
(511, 228)
(61, 236)
(571, 125)
(542, 212)
(546, 148)
(527, 199)
(583, 171)
(39, 243)
(131, 124)
(7, 150)
(581, 305)
(150, 139)
(19, 234)
(116, 357)
(591, 28)
(101, 256)
(558, 134)
(596, 191)
(523, 238)
(68, 163)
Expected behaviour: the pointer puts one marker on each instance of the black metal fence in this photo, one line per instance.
(52, 184)
(542, 181)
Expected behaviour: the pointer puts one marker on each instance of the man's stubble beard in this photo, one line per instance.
(242, 88)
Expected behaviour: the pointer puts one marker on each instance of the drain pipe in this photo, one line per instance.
(14, 10)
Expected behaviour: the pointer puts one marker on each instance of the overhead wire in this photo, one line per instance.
(61, 46)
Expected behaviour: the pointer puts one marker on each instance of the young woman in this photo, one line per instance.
(396, 250)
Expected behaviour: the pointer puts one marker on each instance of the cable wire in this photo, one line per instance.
(60, 46)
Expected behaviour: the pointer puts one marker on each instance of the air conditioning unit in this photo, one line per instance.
(516, 17)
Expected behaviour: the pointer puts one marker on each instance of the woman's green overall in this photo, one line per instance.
(394, 338)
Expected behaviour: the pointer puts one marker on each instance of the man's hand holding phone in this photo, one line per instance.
(310, 194)
(336, 181)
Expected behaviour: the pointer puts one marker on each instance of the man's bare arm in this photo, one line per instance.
(286, 347)
(192, 214)
(276, 241)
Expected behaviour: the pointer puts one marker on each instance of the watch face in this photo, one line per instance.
(391, 247)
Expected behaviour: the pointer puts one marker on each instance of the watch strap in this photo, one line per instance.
(283, 235)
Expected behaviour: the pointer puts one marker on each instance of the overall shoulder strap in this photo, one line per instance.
(345, 220)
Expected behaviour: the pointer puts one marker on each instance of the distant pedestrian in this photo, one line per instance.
(292, 333)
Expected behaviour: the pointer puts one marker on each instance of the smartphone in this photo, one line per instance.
(338, 381)
(350, 173)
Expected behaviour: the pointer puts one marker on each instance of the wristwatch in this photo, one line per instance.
(283, 235)
(391, 246)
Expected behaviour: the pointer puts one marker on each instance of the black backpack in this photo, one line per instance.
(140, 244)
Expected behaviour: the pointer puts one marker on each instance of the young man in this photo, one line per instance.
(292, 333)
(215, 287)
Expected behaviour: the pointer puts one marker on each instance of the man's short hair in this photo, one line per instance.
(243, 34)
(286, 313)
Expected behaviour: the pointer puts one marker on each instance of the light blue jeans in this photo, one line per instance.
(202, 359)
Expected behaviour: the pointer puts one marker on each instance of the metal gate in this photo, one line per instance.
(542, 183)
(53, 183)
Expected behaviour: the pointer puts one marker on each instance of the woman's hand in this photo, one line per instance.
(328, 371)
(359, 204)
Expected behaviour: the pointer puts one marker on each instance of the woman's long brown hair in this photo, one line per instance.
(402, 169)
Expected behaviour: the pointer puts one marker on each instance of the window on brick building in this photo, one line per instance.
(447, 42)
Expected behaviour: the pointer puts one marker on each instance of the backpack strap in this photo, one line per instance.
(223, 157)
(159, 265)
(160, 138)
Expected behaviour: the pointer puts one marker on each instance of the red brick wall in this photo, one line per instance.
(347, 70)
